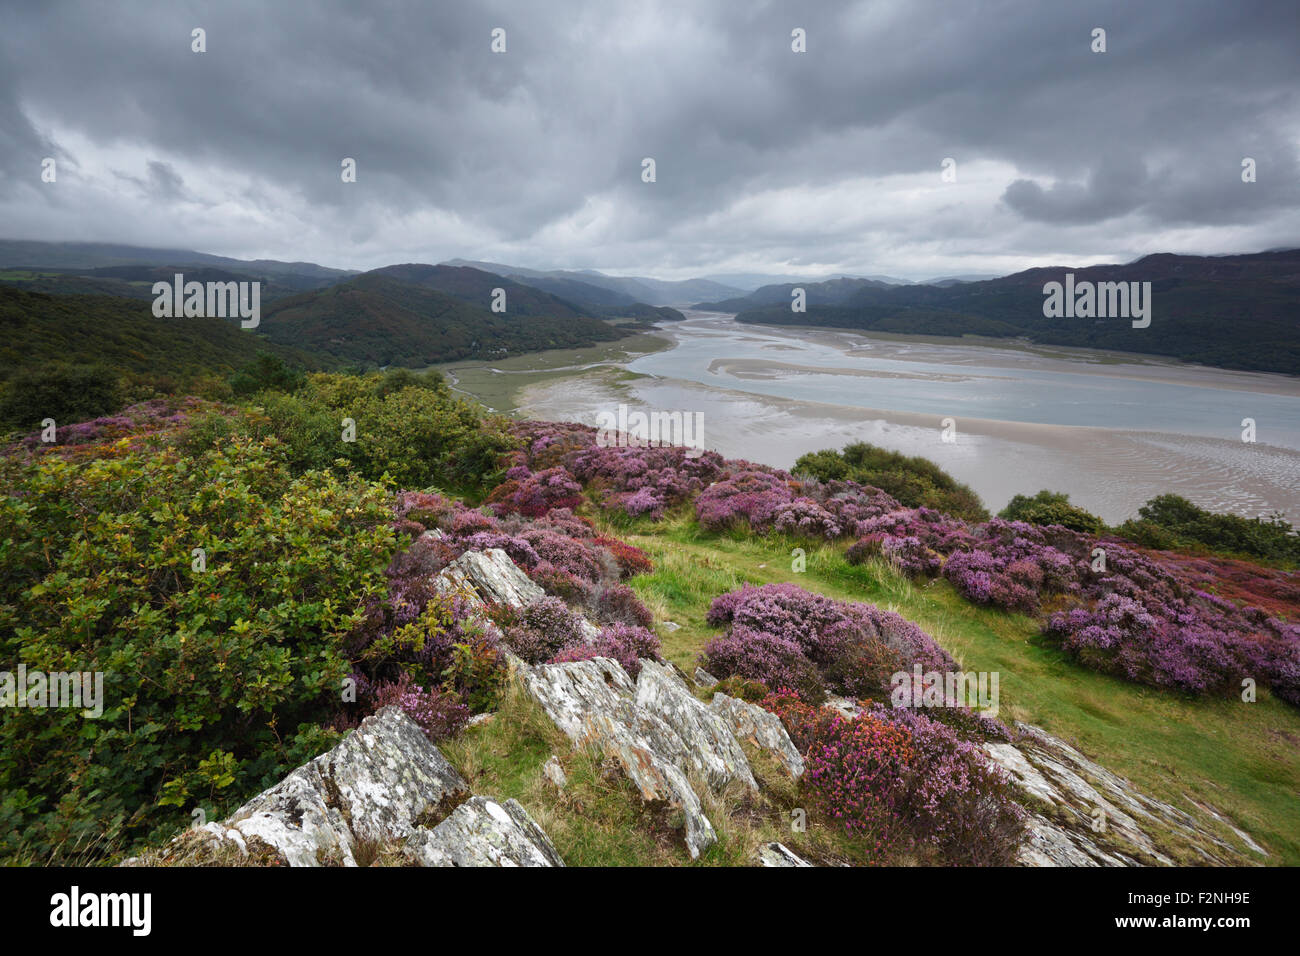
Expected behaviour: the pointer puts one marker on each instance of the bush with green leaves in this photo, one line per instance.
(1052, 507)
(65, 393)
(221, 670)
(1170, 521)
(914, 481)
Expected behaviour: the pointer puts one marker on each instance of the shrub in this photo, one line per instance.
(439, 715)
(916, 482)
(243, 659)
(1169, 521)
(625, 643)
(543, 629)
(65, 393)
(1050, 507)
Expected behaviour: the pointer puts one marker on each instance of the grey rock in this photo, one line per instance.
(374, 786)
(555, 773)
(491, 577)
(761, 728)
(778, 854)
(593, 703)
(483, 832)
(670, 626)
(703, 678)
(710, 746)
(846, 708)
(1098, 817)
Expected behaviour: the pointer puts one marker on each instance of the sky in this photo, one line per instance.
(766, 159)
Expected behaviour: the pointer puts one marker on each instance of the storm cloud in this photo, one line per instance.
(766, 159)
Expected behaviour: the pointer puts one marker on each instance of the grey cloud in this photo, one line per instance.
(463, 152)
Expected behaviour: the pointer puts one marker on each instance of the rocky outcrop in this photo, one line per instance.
(482, 832)
(761, 728)
(384, 784)
(593, 703)
(1093, 817)
(374, 786)
(709, 747)
(778, 854)
(487, 578)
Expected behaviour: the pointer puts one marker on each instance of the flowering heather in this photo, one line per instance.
(440, 715)
(752, 498)
(618, 603)
(535, 493)
(543, 629)
(625, 643)
(784, 636)
(631, 559)
(899, 780)
(644, 481)
(137, 423)
(806, 518)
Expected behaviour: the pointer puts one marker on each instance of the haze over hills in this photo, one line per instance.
(638, 288)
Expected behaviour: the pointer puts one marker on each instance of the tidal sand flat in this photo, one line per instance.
(1112, 434)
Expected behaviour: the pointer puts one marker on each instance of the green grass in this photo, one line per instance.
(1242, 759)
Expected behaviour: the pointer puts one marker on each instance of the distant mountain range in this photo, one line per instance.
(1232, 311)
(1229, 311)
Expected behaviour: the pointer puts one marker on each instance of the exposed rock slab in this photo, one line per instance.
(483, 832)
(376, 785)
(778, 854)
(761, 728)
(593, 703)
(491, 576)
(1097, 818)
(710, 747)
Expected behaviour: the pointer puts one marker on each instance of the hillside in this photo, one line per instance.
(475, 287)
(663, 656)
(377, 320)
(1230, 311)
(42, 332)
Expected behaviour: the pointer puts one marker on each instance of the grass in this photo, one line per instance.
(1242, 759)
(497, 384)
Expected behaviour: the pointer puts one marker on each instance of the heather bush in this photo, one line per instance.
(625, 643)
(752, 498)
(915, 482)
(618, 604)
(898, 780)
(784, 636)
(440, 715)
(535, 493)
(543, 629)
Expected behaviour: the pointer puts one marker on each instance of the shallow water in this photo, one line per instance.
(1110, 434)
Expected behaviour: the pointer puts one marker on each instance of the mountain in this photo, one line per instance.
(39, 331)
(476, 287)
(136, 281)
(375, 319)
(827, 292)
(749, 281)
(635, 288)
(76, 256)
(1227, 311)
